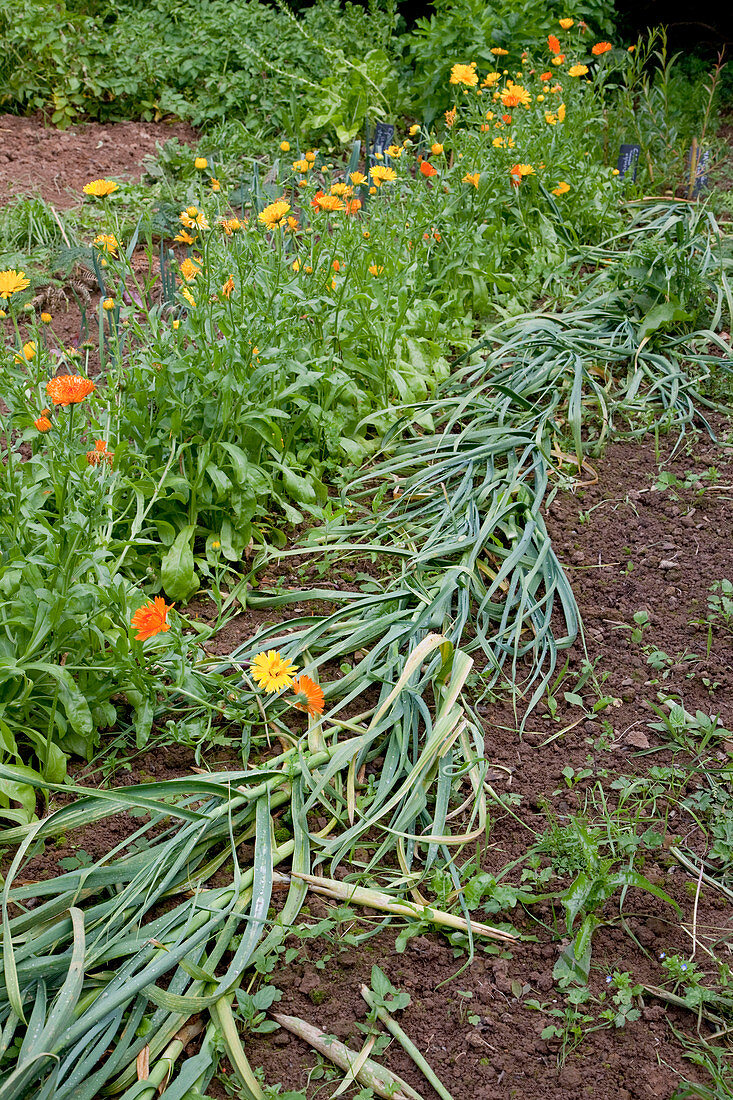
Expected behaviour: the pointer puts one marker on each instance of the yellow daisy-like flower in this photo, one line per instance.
(515, 96)
(28, 352)
(215, 184)
(375, 269)
(184, 238)
(12, 282)
(274, 213)
(497, 143)
(561, 189)
(499, 52)
(189, 270)
(550, 118)
(186, 293)
(395, 151)
(301, 165)
(472, 178)
(100, 188)
(272, 672)
(577, 70)
(561, 112)
(46, 318)
(566, 24)
(490, 80)
(342, 189)
(381, 175)
(310, 156)
(464, 74)
(450, 118)
(357, 178)
(107, 242)
(285, 146)
(201, 163)
(108, 304)
(230, 225)
(414, 129)
(436, 148)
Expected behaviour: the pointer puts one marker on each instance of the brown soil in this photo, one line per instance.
(36, 159)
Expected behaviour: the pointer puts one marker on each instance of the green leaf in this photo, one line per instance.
(660, 317)
(177, 568)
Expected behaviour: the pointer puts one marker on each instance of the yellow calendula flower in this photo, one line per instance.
(515, 95)
(184, 238)
(201, 163)
(189, 270)
(577, 70)
(186, 293)
(561, 113)
(395, 151)
(497, 142)
(295, 265)
(375, 269)
(215, 185)
(550, 118)
(310, 156)
(357, 178)
(561, 189)
(342, 189)
(273, 214)
(46, 318)
(490, 80)
(414, 129)
(107, 242)
(27, 352)
(566, 24)
(175, 324)
(558, 60)
(230, 225)
(472, 178)
(450, 117)
(271, 671)
(301, 165)
(381, 175)
(499, 52)
(285, 146)
(464, 74)
(108, 304)
(12, 282)
(436, 148)
(100, 188)
(228, 287)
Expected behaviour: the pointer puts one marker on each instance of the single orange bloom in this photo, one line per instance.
(43, 424)
(151, 619)
(427, 169)
(545, 76)
(506, 118)
(69, 389)
(553, 43)
(330, 203)
(353, 206)
(311, 697)
(228, 287)
(600, 48)
(100, 454)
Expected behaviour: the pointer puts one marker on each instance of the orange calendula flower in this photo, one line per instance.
(301, 165)
(357, 178)
(450, 117)
(100, 454)
(601, 48)
(498, 51)
(184, 238)
(546, 76)
(43, 424)
(308, 695)
(151, 619)
(553, 43)
(490, 80)
(228, 287)
(273, 214)
(472, 178)
(330, 203)
(215, 184)
(464, 74)
(272, 672)
(230, 225)
(427, 169)
(558, 60)
(11, 282)
(69, 389)
(506, 119)
(46, 318)
(201, 163)
(515, 96)
(353, 206)
(436, 148)
(189, 270)
(310, 156)
(550, 118)
(566, 24)
(285, 146)
(100, 188)
(519, 171)
(561, 189)
(577, 70)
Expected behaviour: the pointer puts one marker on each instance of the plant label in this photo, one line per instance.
(628, 159)
(383, 134)
(697, 163)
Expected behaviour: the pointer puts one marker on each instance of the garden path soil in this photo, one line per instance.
(36, 159)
